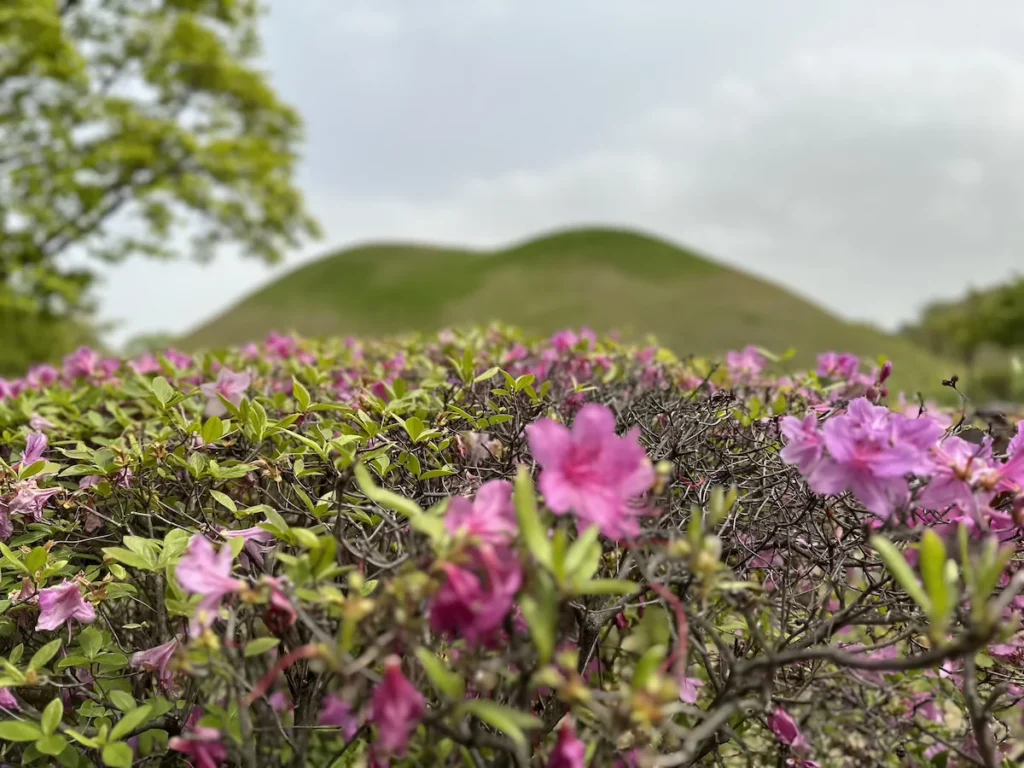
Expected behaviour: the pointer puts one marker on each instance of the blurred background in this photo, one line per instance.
(844, 175)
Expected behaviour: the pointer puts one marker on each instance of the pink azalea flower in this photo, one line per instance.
(569, 751)
(870, 452)
(473, 602)
(42, 376)
(957, 465)
(804, 443)
(81, 363)
(591, 470)
(230, 385)
(335, 712)
(202, 745)
(281, 614)
(59, 605)
(396, 710)
(178, 359)
(831, 365)
(8, 702)
(787, 731)
(158, 659)
(30, 500)
(747, 365)
(35, 447)
(204, 571)
(146, 364)
(257, 541)
(40, 423)
(490, 517)
(689, 689)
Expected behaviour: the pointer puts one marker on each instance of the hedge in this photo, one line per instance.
(484, 549)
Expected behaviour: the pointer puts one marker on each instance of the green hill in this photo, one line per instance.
(607, 279)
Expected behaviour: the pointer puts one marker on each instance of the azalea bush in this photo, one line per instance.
(482, 549)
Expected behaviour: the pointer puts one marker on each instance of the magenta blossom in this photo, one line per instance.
(204, 746)
(81, 363)
(804, 443)
(832, 365)
(335, 712)
(689, 689)
(569, 751)
(787, 731)
(40, 423)
(747, 365)
(29, 499)
(473, 602)
(257, 541)
(158, 659)
(59, 605)
(204, 571)
(8, 702)
(229, 385)
(489, 518)
(146, 364)
(35, 447)
(397, 709)
(591, 470)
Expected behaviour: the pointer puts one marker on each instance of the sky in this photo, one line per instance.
(867, 155)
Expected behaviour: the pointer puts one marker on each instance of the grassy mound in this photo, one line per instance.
(606, 279)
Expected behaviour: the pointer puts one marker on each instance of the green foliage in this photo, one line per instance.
(122, 124)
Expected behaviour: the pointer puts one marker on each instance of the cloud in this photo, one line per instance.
(870, 178)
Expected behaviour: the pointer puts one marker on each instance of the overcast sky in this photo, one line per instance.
(866, 154)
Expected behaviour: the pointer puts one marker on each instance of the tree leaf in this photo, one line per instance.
(261, 645)
(14, 730)
(52, 716)
(52, 744)
(118, 755)
(534, 537)
(901, 571)
(42, 657)
(131, 720)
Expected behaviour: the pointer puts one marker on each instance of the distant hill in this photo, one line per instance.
(603, 278)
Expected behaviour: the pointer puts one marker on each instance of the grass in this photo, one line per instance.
(606, 279)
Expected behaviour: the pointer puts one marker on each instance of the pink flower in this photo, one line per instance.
(804, 443)
(35, 447)
(281, 614)
(957, 466)
(8, 702)
(870, 452)
(257, 541)
(178, 359)
(689, 689)
(40, 423)
(158, 659)
(204, 571)
(335, 712)
(29, 499)
(397, 709)
(569, 751)
(81, 363)
(831, 365)
(202, 745)
(591, 470)
(747, 365)
(490, 517)
(230, 385)
(787, 731)
(59, 605)
(473, 602)
(42, 376)
(146, 364)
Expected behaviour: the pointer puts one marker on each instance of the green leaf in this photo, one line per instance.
(132, 720)
(542, 618)
(446, 681)
(607, 587)
(163, 390)
(488, 374)
(580, 560)
(224, 500)
(121, 700)
(301, 394)
(647, 666)
(52, 716)
(386, 499)
(117, 755)
(42, 657)
(932, 558)
(260, 645)
(901, 571)
(213, 430)
(14, 730)
(36, 559)
(52, 745)
(509, 721)
(535, 538)
(128, 557)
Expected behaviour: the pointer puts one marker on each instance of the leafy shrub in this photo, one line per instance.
(483, 550)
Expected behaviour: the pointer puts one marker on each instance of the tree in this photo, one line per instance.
(135, 127)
